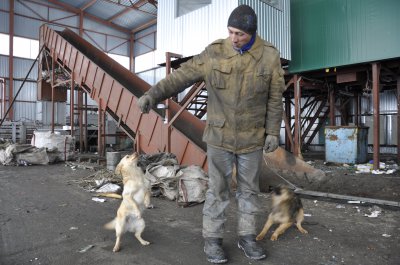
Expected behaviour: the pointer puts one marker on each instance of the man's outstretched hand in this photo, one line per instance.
(146, 103)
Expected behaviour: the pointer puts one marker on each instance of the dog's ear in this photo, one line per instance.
(118, 169)
(277, 190)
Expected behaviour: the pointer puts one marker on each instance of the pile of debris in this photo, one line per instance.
(186, 185)
(46, 147)
(25, 154)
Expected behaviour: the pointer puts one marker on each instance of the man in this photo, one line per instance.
(244, 82)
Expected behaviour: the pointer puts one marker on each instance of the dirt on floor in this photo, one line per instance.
(348, 179)
(48, 217)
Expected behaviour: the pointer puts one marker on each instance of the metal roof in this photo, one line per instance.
(128, 16)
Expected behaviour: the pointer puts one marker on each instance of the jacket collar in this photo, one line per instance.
(255, 51)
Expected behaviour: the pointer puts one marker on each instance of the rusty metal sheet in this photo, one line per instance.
(147, 127)
(84, 68)
(116, 89)
(115, 95)
(135, 115)
(105, 89)
(67, 56)
(90, 75)
(98, 80)
(123, 107)
(72, 60)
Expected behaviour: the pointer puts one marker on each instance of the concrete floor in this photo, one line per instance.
(47, 219)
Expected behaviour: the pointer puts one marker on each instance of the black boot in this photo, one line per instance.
(213, 250)
(251, 247)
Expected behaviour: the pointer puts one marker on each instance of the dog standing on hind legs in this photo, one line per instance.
(286, 210)
(135, 197)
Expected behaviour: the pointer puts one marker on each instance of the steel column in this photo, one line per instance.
(332, 119)
(101, 131)
(11, 59)
(80, 119)
(375, 92)
(398, 119)
(287, 119)
(357, 118)
(297, 121)
(85, 139)
(52, 91)
(72, 103)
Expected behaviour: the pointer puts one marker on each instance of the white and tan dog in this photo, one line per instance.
(135, 197)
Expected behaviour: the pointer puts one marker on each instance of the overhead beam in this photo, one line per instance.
(87, 15)
(89, 4)
(124, 11)
(144, 26)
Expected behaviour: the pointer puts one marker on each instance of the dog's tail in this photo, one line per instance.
(110, 225)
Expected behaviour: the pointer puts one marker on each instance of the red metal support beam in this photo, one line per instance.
(3, 97)
(357, 118)
(297, 121)
(332, 119)
(72, 103)
(52, 91)
(168, 115)
(375, 92)
(145, 26)
(88, 4)
(11, 60)
(80, 119)
(92, 17)
(131, 54)
(101, 131)
(287, 118)
(85, 139)
(398, 119)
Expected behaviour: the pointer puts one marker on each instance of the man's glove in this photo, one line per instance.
(271, 143)
(146, 103)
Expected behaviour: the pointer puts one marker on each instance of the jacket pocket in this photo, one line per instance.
(263, 80)
(214, 132)
(220, 75)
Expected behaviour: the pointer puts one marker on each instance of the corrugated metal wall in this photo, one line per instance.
(27, 24)
(388, 121)
(343, 32)
(273, 24)
(191, 33)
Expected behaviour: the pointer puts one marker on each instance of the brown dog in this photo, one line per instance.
(286, 209)
(135, 196)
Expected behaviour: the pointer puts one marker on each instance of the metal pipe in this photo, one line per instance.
(297, 112)
(346, 197)
(52, 91)
(332, 120)
(375, 92)
(398, 119)
(11, 60)
(287, 120)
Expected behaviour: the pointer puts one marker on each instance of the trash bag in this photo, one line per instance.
(192, 186)
(163, 177)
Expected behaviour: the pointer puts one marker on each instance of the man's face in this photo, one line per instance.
(238, 37)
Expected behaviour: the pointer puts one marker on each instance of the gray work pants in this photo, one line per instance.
(220, 166)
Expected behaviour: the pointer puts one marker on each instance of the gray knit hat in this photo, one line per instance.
(244, 18)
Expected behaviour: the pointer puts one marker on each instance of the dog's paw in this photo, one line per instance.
(150, 206)
(145, 243)
(259, 237)
(116, 249)
(274, 237)
(303, 231)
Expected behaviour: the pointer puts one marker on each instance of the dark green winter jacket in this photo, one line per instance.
(244, 93)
